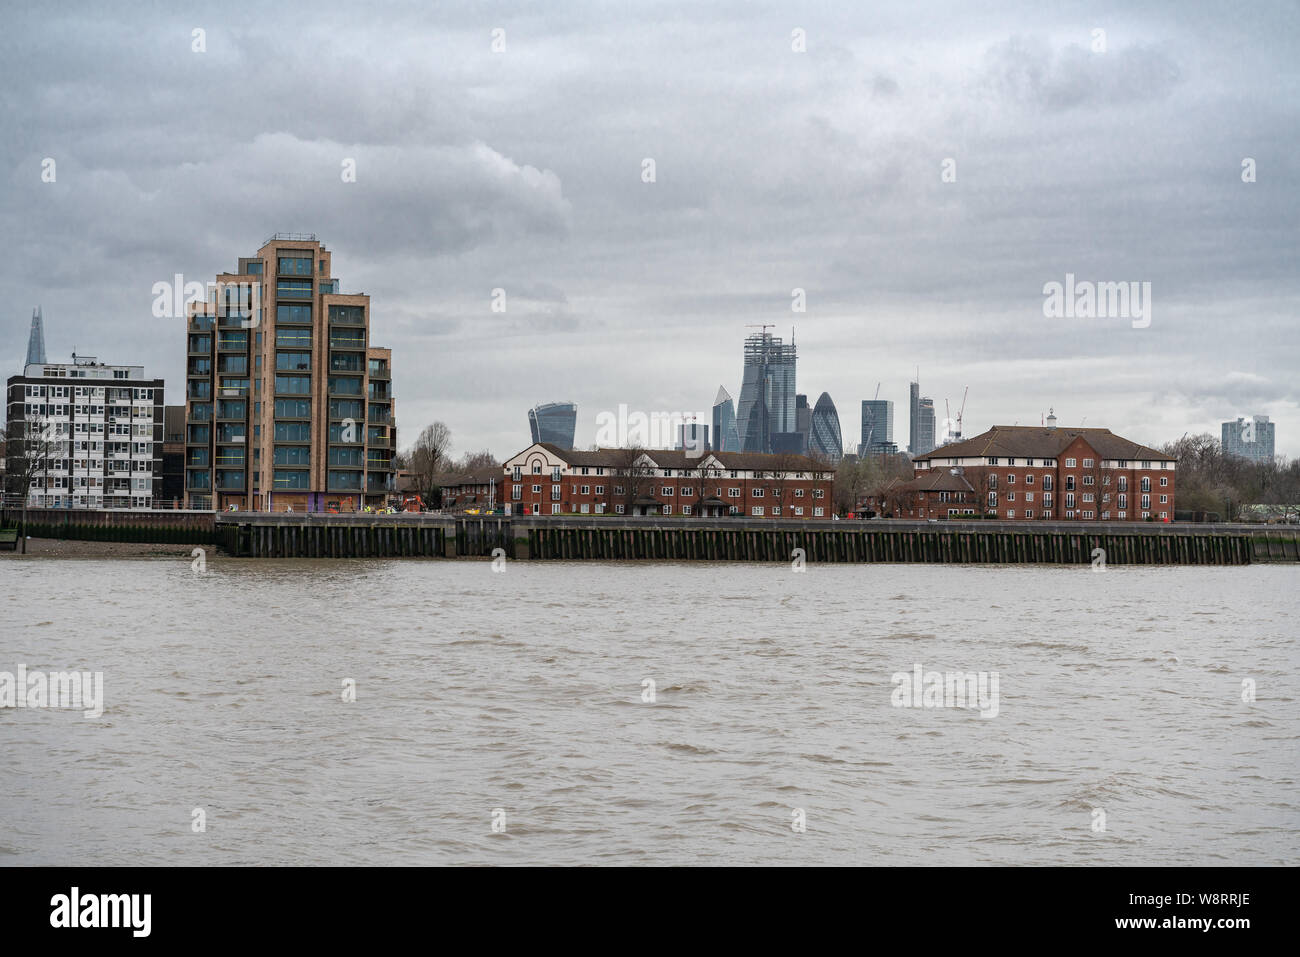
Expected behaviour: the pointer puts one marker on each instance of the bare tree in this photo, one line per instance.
(481, 459)
(30, 444)
(428, 458)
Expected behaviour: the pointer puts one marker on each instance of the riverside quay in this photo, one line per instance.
(682, 538)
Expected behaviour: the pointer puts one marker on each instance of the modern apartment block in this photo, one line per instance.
(1041, 472)
(288, 404)
(545, 479)
(94, 432)
(1249, 438)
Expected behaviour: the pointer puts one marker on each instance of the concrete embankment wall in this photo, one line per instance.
(316, 535)
(110, 525)
(677, 539)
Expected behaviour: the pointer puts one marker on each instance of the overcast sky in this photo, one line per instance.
(774, 169)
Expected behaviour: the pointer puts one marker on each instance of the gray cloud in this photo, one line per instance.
(775, 170)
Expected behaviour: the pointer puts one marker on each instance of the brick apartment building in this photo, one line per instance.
(477, 488)
(545, 479)
(1044, 472)
(289, 405)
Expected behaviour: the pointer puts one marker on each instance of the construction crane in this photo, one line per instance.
(961, 412)
(760, 325)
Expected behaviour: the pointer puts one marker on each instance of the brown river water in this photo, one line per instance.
(515, 700)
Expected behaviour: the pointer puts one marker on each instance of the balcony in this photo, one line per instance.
(347, 340)
(202, 323)
(381, 483)
(287, 289)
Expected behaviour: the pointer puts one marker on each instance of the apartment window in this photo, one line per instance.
(1011, 496)
(1069, 483)
(1011, 513)
(1069, 463)
(555, 474)
(1087, 496)
(516, 492)
(1029, 496)
(1122, 503)
(537, 490)
(1088, 463)
(819, 493)
(818, 512)
(1029, 480)
(993, 499)
(293, 384)
(1069, 502)
(994, 461)
(556, 492)
(618, 509)
(1164, 499)
(1047, 483)
(1146, 464)
(1164, 481)
(537, 468)
(993, 481)
(618, 490)
(666, 491)
(798, 510)
(686, 510)
(756, 493)
(1146, 483)
(1146, 501)
(555, 510)
(1011, 480)
(756, 510)
(1029, 513)
(600, 490)
(515, 473)
(1089, 480)
(733, 493)
(291, 455)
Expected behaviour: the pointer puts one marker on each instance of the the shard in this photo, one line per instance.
(36, 341)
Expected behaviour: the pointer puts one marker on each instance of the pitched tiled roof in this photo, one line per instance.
(681, 459)
(1024, 441)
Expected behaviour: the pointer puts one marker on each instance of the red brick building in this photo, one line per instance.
(477, 488)
(545, 479)
(1043, 472)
